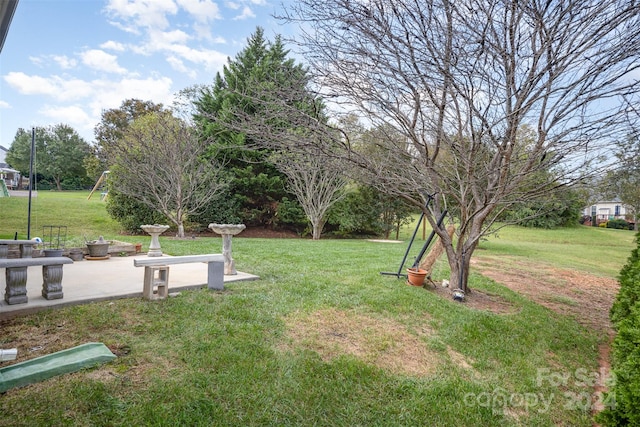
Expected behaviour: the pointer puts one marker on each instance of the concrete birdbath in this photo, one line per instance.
(227, 231)
(154, 230)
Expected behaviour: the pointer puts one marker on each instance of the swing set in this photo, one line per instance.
(101, 180)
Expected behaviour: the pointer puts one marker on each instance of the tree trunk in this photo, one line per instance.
(459, 255)
(180, 225)
(460, 266)
(317, 229)
(436, 251)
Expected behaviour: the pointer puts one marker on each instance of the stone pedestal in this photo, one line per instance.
(16, 290)
(52, 281)
(227, 231)
(155, 230)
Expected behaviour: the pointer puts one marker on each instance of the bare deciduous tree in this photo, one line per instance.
(159, 162)
(316, 183)
(460, 80)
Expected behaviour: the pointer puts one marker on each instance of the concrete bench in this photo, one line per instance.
(16, 275)
(25, 247)
(156, 272)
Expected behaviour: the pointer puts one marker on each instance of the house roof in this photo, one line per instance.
(7, 7)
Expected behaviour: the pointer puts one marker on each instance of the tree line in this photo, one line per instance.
(489, 113)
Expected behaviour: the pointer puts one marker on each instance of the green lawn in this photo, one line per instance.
(71, 209)
(321, 339)
(600, 251)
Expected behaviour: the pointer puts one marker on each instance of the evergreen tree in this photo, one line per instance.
(257, 186)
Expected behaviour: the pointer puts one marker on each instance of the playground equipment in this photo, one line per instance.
(102, 180)
(4, 192)
(50, 365)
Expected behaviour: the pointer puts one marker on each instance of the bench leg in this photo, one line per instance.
(16, 290)
(156, 277)
(52, 281)
(215, 275)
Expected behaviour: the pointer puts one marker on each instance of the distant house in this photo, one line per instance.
(606, 210)
(11, 176)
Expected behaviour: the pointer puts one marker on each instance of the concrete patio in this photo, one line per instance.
(95, 280)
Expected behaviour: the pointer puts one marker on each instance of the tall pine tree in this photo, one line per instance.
(257, 186)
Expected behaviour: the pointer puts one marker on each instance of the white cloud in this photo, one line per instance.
(102, 61)
(110, 94)
(201, 10)
(162, 38)
(178, 65)
(61, 61)
(36, 60)
(65, 62)
(72, 115)
(210, 59)
(142, 13)
(84, 112)
(4, 104)
(113, 45)
(30, 85)
(246, 14)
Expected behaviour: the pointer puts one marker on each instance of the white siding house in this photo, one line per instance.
(606, 210)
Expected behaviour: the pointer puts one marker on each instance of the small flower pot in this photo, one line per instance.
(416, 276)
(53, 252)
(76, 255)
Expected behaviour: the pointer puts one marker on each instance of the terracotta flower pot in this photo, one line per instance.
(416, 276)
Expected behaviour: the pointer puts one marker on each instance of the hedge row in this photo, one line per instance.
(624, 394)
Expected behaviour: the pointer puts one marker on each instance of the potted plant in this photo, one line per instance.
(416, 276)
(76, 254)
(54, 237)
(98, 248)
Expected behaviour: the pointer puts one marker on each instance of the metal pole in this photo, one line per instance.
(428, 242)
(33, 144)
(406, 254)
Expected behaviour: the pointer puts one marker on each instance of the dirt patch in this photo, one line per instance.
(477, 299)
(34, 340)
(382, 342)
(585, 297)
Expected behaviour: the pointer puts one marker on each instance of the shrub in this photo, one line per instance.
(289, 214)
(130, 213)
(619, 224)
(225, 209)
(625, 357)
(558, 209)
(358, 214)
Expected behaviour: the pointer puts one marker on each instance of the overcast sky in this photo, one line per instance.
(65, 61)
